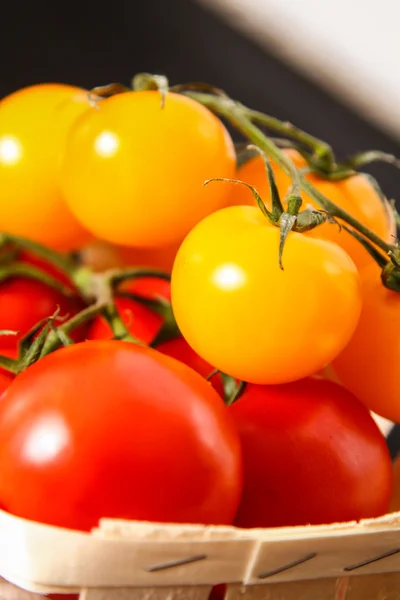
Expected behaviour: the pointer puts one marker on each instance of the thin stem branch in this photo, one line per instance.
(240, 116)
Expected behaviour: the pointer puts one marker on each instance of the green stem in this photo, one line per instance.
(20, 269)
(115, 277)
(9, 364)
(240, 116)
(320, 149)
(51, 256)
(53, 340)
(119, 329)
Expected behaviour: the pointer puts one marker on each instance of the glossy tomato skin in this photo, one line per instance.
(179, 348)
(5, 380)
(354, 194)
(24, 302)
(240, 312)
(311, 451)
(152, 288)
(133, 153)
(369, 365)
(34, 122)
(141, 436)
(141, 322)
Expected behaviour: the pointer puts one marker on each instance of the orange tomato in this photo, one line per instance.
(133, 171)
(101, 255)
(34, 123)
(355, 195)
(369, 365)
(241, 313)
(156, 258)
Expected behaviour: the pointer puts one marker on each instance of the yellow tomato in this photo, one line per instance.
(134, 170)
(244, 315)
(369, 365)
(355, 195)
(34, 123)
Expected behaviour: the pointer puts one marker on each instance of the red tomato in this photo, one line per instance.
(5, 380)
(25, 302)
(129, 433)
(141, 322)
(45, 266)
(179, 348)
(149, 287)
(311, 451)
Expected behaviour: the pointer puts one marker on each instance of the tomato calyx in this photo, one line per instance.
(232, 388)
(289, 219)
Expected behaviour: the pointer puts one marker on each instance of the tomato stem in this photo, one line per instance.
(241, 117)
(9, 364)
(64, 263)
(21, 269)
(147, 81)
(117, 276)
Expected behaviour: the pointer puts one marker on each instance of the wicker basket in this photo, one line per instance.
(123, 560)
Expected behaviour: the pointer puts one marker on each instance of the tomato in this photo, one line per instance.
(44, 265)
(355, 195)
(152, 288)
(100, 256)
(156, 258)
(179, 348)
(34, 123)
(311, 451)
(5, 380)
(369, 365)
(141, 322)
(243, 314)
(131, 155)
(25, 302)
(129, 433)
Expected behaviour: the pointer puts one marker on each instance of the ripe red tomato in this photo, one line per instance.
(141, 322)
(25, 302)
(179, 348)
(43, 265)
(311, 452)
(148, 287)
(120, 431)
(5, 380)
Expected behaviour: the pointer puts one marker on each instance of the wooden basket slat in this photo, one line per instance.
(121, 554)
(160, 593)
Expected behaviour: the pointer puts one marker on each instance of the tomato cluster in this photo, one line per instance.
(157, 362)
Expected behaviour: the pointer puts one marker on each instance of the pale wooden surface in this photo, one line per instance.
(117, 560)
(372, 587)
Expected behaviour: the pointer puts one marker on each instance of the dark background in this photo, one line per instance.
(89, 44)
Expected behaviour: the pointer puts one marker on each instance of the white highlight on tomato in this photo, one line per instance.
(10, 150)
(229, 277)
(47, 439)
(106, 144)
